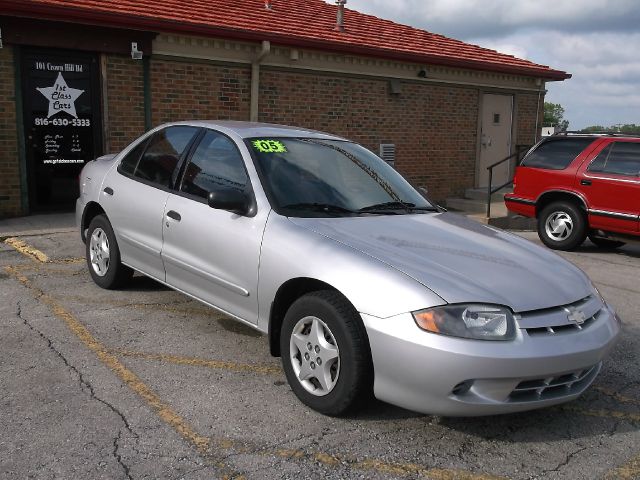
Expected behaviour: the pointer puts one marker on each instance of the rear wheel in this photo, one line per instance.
(103, 255)
(605, 242)
(325, 353)
(562, 226)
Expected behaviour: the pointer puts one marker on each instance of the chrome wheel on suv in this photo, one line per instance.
(562, 226)
(559, 226)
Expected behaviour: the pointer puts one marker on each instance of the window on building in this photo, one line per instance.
(556, 154)
(161, 157)
(619, 158)
(216, 163)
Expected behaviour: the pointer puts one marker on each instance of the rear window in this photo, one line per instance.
(556, 154)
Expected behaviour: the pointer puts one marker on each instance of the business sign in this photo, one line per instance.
(62, 123)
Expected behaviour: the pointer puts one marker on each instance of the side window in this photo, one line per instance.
(620, 158)
(216, 163)
(161, 157)
(130, 161)
(600, 161)
(556, 154)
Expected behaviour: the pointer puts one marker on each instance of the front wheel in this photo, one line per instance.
(325, 353)
(562, 226)
(103, 255)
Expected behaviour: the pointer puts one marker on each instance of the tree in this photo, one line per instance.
(554, 116)
(628, 128)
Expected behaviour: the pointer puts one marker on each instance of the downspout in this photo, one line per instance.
(255, 79)
(535, 134)
(146, 85)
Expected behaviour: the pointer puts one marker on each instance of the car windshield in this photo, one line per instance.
(310, 177)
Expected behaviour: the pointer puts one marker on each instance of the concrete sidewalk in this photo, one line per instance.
(36, 224)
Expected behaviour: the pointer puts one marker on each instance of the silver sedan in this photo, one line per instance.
(363, 286)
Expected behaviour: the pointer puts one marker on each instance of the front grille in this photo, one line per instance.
(560, 329)
(558, 321)
(554, 387)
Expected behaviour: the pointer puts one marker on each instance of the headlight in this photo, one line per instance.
(480, 322)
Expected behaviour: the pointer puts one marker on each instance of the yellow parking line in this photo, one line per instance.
(204, 444)
(165, 412)
(603, 413)
(628, 471)
(38, 255)
(617, 396)
(27, 250)
(398, 469)
(201, 362)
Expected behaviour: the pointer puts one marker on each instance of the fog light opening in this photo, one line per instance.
(462, 387)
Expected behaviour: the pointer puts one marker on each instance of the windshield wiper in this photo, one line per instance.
(319, 207)
(387, 207)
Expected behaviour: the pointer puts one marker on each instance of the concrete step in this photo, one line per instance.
(506, 222)
(481, 194)
(467, 206)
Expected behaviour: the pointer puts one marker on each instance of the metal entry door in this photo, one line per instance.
(495, 138)
(61, 99)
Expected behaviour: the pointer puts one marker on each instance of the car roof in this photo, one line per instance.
(257, 129)
(594, 135)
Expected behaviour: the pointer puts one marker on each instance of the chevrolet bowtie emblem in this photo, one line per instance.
(576, 316)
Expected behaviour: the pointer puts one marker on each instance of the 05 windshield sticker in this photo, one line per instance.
(269, 146)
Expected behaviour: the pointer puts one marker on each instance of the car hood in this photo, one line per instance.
(461, 260)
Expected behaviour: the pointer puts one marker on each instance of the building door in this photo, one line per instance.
(495, 138)
(63, 131)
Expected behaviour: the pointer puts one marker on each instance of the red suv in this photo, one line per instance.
(580, 186)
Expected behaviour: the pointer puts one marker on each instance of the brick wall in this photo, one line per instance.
(188, 91)
(9, 164)
(125, 101)
(434, 127)
(526, 105)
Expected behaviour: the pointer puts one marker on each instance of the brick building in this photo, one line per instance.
(74, 85)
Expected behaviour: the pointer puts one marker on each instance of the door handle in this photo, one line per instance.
(174, 215)
(108, 190)
(585, 182)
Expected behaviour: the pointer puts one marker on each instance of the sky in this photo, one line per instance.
(597, 41)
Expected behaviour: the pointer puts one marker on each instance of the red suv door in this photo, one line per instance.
(610, 181)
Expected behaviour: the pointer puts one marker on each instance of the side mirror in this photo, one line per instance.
(229, 199)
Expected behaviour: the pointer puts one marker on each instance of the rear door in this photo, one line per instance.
(214, 254)
(611, 184)
(135, 193)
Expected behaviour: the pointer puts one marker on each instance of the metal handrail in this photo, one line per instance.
(490, 189)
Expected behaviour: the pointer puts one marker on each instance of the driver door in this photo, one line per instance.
(208, 253)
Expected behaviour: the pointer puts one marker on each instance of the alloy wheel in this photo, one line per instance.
(314, 356)
(99, 252)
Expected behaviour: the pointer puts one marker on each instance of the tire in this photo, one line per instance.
(103, 255)
(348, 377)
(562, 226)
(605, 242)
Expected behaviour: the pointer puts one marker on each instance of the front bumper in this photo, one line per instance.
(448, 376)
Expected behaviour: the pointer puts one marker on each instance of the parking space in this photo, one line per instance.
(147, 383)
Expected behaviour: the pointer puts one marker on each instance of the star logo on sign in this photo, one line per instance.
(61, 97)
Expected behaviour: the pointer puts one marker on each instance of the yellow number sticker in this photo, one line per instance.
(269, 146)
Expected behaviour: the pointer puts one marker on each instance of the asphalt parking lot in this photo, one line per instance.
(147, 383)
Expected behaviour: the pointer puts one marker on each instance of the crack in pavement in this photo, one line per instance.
(85, 386)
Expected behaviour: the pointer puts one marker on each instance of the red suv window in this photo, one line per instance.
(556, 154)
(620, 158)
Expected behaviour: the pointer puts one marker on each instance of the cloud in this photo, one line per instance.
(593, 40)
(495, 18)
